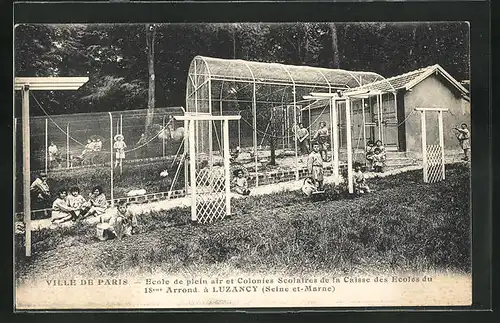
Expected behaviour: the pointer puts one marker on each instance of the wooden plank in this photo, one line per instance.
(424, 145)
(26, 169)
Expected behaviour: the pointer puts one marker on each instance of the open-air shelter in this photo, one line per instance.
(261, 92)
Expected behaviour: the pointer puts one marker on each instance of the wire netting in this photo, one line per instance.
(81, 150)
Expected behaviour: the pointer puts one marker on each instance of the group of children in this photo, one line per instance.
(314, 183)
(73, 206)
(375, 155)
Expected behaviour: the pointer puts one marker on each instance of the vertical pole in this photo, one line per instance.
(441, 141)
(26, 169)
(46, 145)
(163, 137)
(186, 151)
(349, 144)
(364, 121)
(226, 166)
(283, 127)
(382, 127)
(424, 144)
(192, 168)
(379, 111)
(294, 132)
(222, 130)
(335, 144)
(121, 133)
(254, 125)
(67, 145)
(111, 159)
(210, 146)
(396, 116)
(239, 130)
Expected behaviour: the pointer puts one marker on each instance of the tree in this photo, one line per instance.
(150, 47)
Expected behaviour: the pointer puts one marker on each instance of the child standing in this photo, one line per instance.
(378, 160)
(322, 137)
(379, 145)
(76, 201)
(369, 154)
(464, 139)
(240, 184)
(359, 181)
(315, 166)
(54, 156)
(120, 148)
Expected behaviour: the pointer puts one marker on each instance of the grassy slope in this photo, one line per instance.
(403, 226)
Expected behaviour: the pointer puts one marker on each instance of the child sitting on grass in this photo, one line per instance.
(97, 204)
(308, 187)
(360, 185)
(123, 222)
(76, 201)
(378, 160)
(315, 167)
(240, 184)
(61, 211)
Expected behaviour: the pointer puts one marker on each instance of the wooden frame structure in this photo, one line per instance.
(432, 155)
(191, 124)
(27, 84)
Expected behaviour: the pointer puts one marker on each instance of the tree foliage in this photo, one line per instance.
(115, 56)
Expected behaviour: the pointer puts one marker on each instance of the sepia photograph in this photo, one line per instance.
(242, 165)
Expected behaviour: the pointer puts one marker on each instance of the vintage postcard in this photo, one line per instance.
(242, 165)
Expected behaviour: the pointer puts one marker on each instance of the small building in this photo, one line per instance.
(397, 123)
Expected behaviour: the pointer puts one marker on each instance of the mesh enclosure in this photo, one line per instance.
(272, 99)
(80, 150)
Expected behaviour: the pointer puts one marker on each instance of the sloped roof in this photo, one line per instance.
(408, 80)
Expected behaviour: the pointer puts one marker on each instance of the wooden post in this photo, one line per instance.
(254, 125)
(46, 145)
(294, 132)
(121, 133)
(111, 149)
(186, 150)
(226, 166)
(26, 169)
(67, 145)
(424, 145)
(239, 130)
(379, 111)
(335, 144)
(349, 145)
(441, 141)
(364, 122)
(210, 135)
(192, 168)
(163, 137)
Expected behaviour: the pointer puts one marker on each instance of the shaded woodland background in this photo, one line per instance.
(120, 58)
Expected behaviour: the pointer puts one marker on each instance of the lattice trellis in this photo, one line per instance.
(432, 155)
(210, 194)
(435, 169)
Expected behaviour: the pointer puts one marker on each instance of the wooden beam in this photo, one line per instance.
(26, 169)
(50, 83)
(206, 117)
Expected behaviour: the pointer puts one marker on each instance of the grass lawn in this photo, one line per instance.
(404, 225)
